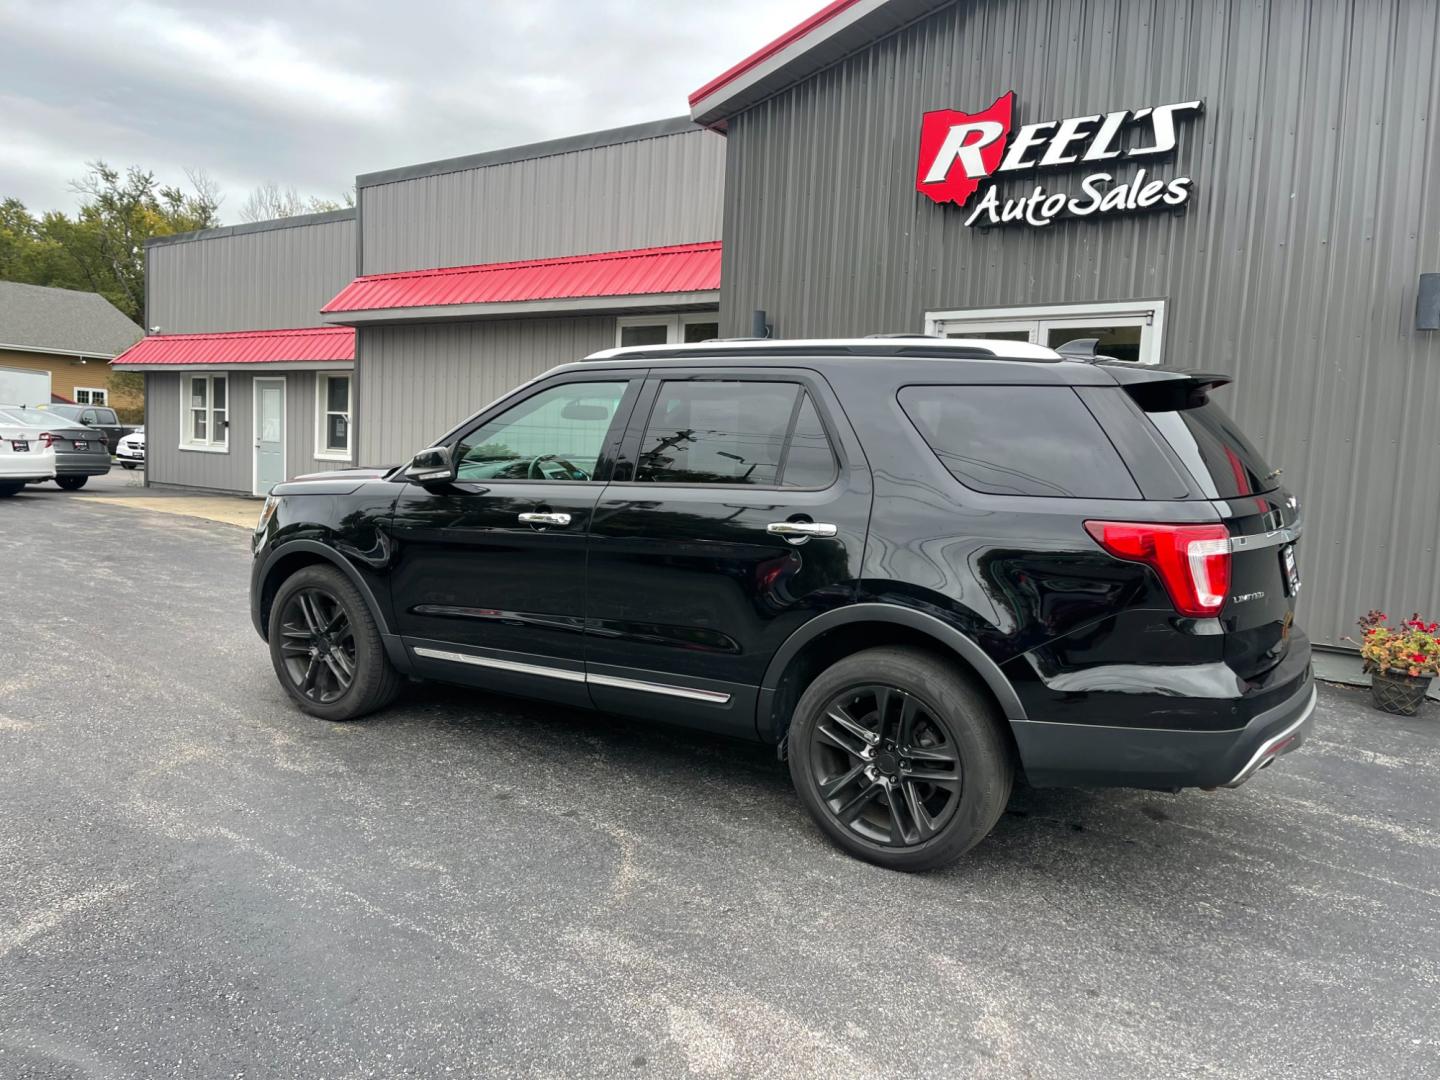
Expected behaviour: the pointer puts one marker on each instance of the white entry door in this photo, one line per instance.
(1132, 331)
(269, 402)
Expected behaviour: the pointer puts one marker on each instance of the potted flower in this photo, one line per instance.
(1401, 660)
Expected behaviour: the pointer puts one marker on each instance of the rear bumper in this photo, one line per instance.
(24, 468)
(82, 464)
(1066, 755)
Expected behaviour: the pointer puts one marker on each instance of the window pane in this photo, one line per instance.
(1223, 461)
(107, 416)
(82, 397)
(337, 431)
(337, 394)
(810, 462)
(1019, 440)
(649, 334)
(556, 435)
(219, 392)
(197, 425)
(717, 433)
(701, 331)
(1121, 342)
(198, 393)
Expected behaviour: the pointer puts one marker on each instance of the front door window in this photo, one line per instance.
(558, 434)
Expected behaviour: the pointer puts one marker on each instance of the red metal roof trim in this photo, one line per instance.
(311, 345)
(682, 268)
(820, 18)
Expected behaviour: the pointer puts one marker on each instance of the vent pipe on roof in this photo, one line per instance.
(759, 328)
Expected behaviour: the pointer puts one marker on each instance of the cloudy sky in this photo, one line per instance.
(308, 93)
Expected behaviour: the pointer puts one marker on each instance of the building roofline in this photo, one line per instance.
(590, 140)
(325, 217)
(839, 29)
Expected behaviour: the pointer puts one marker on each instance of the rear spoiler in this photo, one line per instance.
(1167, 390)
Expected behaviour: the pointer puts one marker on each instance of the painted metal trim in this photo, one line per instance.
(591, 140)
(519, 309)
(325, 217)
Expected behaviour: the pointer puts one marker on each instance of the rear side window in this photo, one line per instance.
(763, 434)
(1223, 461)
(1019, 440)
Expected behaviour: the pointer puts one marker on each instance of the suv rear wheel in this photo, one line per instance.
(326, 648)
(899, 759)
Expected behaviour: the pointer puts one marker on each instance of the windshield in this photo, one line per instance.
(1223, 461)
(30, 418)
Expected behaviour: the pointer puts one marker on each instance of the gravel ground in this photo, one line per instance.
(200, 881)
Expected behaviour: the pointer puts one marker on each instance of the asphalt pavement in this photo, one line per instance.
(196, 880)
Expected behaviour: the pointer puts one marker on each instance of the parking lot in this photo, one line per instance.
(201, 881)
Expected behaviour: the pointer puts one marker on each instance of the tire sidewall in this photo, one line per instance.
(968, 719)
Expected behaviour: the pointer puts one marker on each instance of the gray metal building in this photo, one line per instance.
(243, 385)
(1293, 260)
(476, 272)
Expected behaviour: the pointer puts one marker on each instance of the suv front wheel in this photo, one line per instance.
(326, 648)
(899, 759)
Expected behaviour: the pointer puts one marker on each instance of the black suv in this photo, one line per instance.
(914, 566)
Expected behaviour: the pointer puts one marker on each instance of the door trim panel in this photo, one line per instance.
(501, 665)
(713, 697)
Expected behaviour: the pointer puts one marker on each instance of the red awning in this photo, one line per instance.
(318, 344)
(683, 268)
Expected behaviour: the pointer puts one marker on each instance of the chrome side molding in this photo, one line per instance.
(689, 693)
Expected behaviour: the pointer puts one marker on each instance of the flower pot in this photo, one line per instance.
(1398, 693)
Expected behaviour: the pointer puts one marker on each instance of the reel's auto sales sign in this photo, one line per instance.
(960, 151)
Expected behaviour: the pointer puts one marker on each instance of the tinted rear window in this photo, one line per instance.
(1019, 440)
(1223, 461)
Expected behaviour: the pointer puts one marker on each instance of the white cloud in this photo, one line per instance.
(306, 94)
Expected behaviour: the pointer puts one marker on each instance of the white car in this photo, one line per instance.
(24, 457)
(130, 451)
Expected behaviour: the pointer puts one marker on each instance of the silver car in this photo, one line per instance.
(80, 451)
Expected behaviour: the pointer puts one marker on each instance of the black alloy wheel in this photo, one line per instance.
(901, 756)
(317, 646)
(887, 767)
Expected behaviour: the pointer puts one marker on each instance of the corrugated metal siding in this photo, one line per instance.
(432, 377)
(232, 471)
(1317, 205)
(631, 195)
(267, 280)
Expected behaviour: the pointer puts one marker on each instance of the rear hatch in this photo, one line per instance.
(1262, 516)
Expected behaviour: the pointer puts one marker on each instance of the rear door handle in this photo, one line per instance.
(545, 519)
(797, 532)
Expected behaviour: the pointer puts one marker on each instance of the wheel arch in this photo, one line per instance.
(287, 559)
(843, 631)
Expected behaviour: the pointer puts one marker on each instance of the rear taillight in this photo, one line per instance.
(47, 440)
(1193, 561)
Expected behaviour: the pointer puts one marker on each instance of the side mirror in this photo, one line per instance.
(432, 466)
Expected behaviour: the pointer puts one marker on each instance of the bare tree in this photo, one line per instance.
(270, 201)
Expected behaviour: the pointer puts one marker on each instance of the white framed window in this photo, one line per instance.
(91, 395)
(666, 329)
(332, 416)
(204, 413)
(1132, 330)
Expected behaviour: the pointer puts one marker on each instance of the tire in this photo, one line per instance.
(127, 464)
(6, 490)
(952, 725)
(354, 644)
(71, 483)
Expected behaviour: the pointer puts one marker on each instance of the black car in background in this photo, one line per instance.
(100, 417)
(916, 567)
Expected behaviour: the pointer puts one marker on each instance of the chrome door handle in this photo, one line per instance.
(797, 532)
(545, 519)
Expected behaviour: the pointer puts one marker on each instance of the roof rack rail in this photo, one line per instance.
(931, 337)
